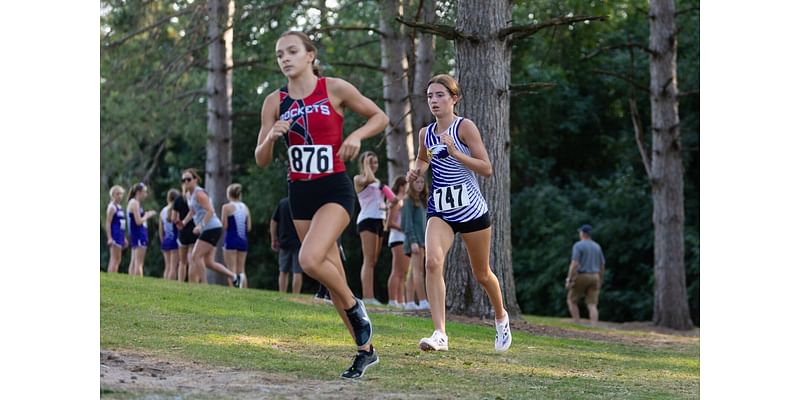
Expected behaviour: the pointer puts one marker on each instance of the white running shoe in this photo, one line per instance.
(372, 301)
(437, 341)
(502, 339)
(424, 305)
(410, 306)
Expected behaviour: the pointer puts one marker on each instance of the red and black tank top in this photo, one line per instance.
(314, 136)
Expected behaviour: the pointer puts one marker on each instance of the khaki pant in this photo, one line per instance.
(585, 285)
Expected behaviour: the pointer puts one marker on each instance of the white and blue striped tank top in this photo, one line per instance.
(238, 220)
(170, 231)
(455, 195)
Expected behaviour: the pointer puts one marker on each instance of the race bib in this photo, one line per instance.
(311, 159)
(450, 198)
(122, 224)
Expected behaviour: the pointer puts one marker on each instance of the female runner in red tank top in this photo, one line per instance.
(307, 114)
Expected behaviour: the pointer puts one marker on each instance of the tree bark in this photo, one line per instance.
(399, 150)
(220, 89)
(670, 306)
(423, 68)
(483, 70)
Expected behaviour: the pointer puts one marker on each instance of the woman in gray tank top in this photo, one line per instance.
(208, 226)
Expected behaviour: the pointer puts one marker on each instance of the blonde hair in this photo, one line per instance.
(361, 160)
(114, 189)
(234, 191)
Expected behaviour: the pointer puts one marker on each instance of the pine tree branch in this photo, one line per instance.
(625, 78)
(618, 46)
(150, 27)
(346, 28)
(530, 87)
(687, 9)
(445, 31)
(359, 65)
(522, 31)
(637, 131)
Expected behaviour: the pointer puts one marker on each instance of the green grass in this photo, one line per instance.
(273, 332)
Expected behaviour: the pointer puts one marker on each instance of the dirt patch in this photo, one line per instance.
(135, 375)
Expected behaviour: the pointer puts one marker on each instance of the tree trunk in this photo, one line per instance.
(220, 89)
(671, 307)
(483, 70)
(399, 150)
(420, 114)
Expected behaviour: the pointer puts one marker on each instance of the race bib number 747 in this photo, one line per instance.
(311, 159)
(450, 198)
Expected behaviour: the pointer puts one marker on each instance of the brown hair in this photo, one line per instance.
(399, 182)
(234, 191)
(449, 83)
(419, 198)
(309, 46)
(136, 189)
(172, 194)
(194, 174)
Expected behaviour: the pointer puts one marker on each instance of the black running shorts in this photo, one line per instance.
(474, 225)
(211, 236)
(306, 197)
(374, 225)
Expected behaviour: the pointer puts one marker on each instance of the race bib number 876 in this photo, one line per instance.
(311, 159)
(450, 198)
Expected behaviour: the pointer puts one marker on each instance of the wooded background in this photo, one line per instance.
(182, 83)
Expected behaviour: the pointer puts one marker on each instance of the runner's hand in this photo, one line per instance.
(350, 148)
(451, 146)
(278, 130)
(412, 176)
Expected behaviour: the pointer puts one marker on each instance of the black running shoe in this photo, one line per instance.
(362, 326)
(361, 362)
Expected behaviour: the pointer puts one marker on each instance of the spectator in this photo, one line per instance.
(287, 244)
(585, 275)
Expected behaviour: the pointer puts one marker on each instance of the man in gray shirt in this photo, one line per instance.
(585, 275)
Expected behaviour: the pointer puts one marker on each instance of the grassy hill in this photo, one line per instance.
(288, 347)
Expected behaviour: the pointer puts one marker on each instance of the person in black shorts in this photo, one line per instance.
(287, 244)
(186, 237)
(307, 114)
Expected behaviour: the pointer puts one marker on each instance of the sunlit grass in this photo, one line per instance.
(273, 332)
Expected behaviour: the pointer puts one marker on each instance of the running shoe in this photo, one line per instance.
(502, 339)
(424, 305)
(437, 341)
(361, 362)
(373, 302)
(362, 326)
(237, 281)
(411, 306)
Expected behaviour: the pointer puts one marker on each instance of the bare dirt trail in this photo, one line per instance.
(131, 375)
